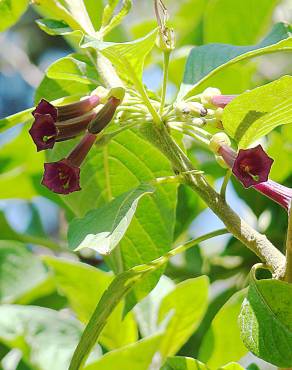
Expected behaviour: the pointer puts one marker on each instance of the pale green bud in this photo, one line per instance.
(219, 140)
(208, 94)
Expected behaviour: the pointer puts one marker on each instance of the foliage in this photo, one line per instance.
(123, 274)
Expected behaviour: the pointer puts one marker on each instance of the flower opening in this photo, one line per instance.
(222, 100)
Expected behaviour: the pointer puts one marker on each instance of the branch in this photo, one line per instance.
(252, 239)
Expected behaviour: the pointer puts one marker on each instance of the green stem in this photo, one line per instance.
(166, 57)
(35, 240)
(288, 271)
(118, 289)
(225, 183)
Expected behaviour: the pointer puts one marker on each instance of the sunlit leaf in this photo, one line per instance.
(183, 363)
(11, 11)
(255, 113)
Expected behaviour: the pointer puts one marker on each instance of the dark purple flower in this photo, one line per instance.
(222, 100)
(277, 192)
(250, 166)
(63, 177)
(53, 124)
(43, 131)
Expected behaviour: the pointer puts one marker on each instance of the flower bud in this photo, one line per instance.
(166, 39)
(218, 140)
(208, 94)
(222, 100)
(104, 116)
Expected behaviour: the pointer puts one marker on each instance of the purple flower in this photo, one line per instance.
(222, 100)
(63, 177)
(250, 166)
(53, 124)
(104, 116)
(277, 192)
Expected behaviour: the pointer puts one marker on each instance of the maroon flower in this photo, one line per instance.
(104, 116)
(277, 192)
(63, 177)
(53, 124)
(222, 100)
(250, 166)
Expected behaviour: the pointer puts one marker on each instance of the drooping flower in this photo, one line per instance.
(53, 124)
(63, 177)
(222, 100)
(250, 166)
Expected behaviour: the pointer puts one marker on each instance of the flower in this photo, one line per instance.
(53, 124)
(250, 166)
(63, 177)
(222, 100)
(277, 192)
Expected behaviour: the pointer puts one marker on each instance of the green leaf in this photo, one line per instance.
(266, 320)
(185, 307)
(20, 271)
(83, 286)
(51, 89)
(78, 11)
(135, 356)
(94, 10)
(128, 57)
(15, 119)
(11, 11)
(74, 67)
(47, 341)
(256, 113)
(103, 228)
(207, 60)
(222, 342)
(146, 311)
(54, 27)
(122, 165)
(243, 23)
(232, 366)
(183, 363)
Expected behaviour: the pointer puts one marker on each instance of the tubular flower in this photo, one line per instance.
(277, 192)
(63, 177)
(222, 100)
(53, 124)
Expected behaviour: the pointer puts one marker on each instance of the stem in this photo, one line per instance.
(35, 240)
(120, 286)
(288, 272)
(225, 183)
(255, 241)
(166, 56)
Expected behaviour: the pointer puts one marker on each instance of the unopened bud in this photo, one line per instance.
(191, 108)
(219, 114)
(219, 140)
(208, 94)
(166, 39)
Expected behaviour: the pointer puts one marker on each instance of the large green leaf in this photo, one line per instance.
(94, 10)
(103, 228)
(126, 162)
(183, 363)
(206, 61)
(136, 356)
(128, 58)
(255, 113)
(10, 12)
(242, 24)
(222, 342)
(232, 366)
(83, 286)
(78, 11)
(74, 67)
(266, 320)
(20, 271)
(185, 307)
(46, 338)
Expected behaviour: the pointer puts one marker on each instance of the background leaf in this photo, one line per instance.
(83, 286)
(185, 307)
(224, 333)
(255, 113)
(183, 363)
(205, 61)
(10, 12)
(136, 356)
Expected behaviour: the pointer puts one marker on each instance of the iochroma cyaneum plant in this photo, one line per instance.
(142, 147)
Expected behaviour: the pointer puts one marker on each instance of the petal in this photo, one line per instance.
(44, 107)
(43, 131)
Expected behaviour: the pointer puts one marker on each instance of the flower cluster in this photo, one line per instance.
(252, 168)
(53, 124)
